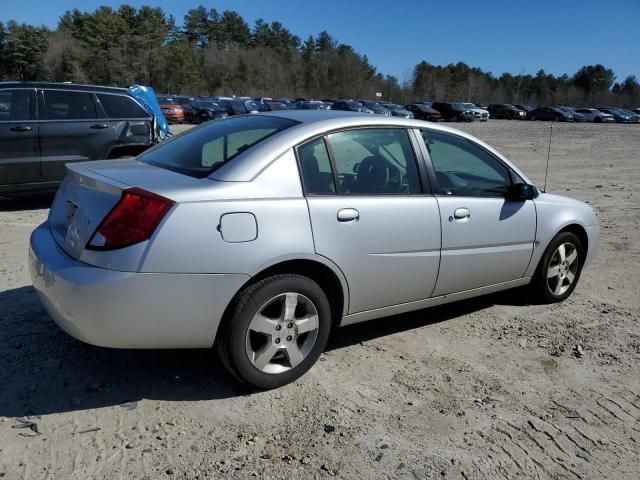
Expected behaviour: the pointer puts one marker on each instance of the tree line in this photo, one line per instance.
(219, 53)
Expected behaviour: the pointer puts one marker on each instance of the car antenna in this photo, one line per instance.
(546, 170)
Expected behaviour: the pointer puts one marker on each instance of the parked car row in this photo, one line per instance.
(198, 110)
(561, 113)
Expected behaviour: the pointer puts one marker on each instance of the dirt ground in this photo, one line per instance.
(488, 388)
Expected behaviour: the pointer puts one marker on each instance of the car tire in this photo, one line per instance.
(262, 342)
(532, 118)
(558, 273)
(556, 118)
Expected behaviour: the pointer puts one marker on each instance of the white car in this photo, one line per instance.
(480, 113)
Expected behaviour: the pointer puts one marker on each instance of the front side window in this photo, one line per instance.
(64, 105)
(15, 105)
(202, 150)
(462, 168)
(121, 106)
(315, 168)
(375, 161)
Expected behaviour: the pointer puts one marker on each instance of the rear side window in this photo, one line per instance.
(315, 167)
(15, 105)
(202, 150)
(63, 105)
(375, 161)
(121, 106)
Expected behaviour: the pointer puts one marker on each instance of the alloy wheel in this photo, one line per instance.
(282, 333)
(562, 269)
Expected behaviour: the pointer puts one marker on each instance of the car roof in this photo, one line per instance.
(64, 86)
(313, 123)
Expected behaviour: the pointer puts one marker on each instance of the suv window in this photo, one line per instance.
(200, 151)
(463, 168)
(121, 106)
(375, 161)
(15, 105)
(63, 105)
(315, 167)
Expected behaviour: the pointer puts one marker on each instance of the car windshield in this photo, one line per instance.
(312, 106)
(206, 104)
(202, 150)
(354, 105)
(469, 105)
(458, 106)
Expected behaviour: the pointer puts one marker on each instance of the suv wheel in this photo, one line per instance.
(559, 269)
(277, 330)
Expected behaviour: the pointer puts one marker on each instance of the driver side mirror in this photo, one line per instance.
(521, 191)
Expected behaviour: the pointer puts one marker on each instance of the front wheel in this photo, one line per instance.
(276, 331)
(559, 269)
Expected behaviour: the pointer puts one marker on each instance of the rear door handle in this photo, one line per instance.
(348, 215)
(21, 128)
(99, 125)
(460, 214)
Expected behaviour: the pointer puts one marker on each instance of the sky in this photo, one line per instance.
(515, 36)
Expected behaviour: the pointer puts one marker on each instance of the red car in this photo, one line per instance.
(172, 110)
(424, 112)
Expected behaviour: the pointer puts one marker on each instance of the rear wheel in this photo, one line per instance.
(277, 329)
(559, 269)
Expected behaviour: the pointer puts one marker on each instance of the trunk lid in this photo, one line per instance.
(82, 201)
(89, 192)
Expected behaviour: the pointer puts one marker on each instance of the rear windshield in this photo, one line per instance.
(202, 150)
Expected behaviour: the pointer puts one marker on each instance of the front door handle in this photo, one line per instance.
(460, 214)
(99, 125)
(21, 128)
(348, 215)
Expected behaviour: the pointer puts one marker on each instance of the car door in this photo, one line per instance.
(371, 216)
(486, 238)
(19, 150)
(72, 129)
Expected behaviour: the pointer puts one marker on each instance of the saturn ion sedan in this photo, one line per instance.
(258, 234)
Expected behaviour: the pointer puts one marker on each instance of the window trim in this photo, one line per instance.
(432, 173)
(423, 180)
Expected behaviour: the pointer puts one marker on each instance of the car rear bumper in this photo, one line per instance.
(127, 309)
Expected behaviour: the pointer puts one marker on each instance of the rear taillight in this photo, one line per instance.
(133, 220)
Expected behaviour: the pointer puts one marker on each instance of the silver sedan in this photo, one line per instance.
(259, 234)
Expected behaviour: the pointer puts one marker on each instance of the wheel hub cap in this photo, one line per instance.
(282, 333)
(562, 269)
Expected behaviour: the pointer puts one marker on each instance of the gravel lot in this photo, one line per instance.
(489, 388)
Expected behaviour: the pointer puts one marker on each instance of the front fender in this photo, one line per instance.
(555, 213)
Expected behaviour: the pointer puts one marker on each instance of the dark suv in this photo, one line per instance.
(454, 111)
(506, 110)
(44, 126)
